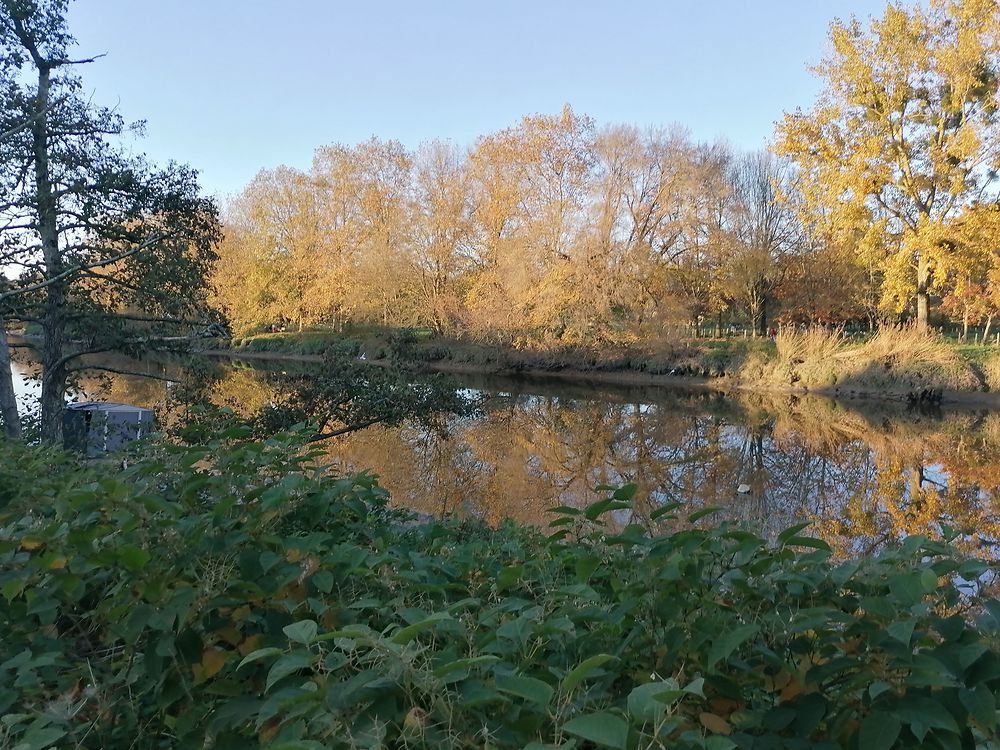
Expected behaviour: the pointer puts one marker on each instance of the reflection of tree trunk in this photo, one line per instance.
(923, 301)
(8, 403)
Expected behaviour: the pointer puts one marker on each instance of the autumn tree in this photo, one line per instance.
(904, 134)
(762, 229)
(966, 255)
(529, 185)
(109, 252)
(442, 232)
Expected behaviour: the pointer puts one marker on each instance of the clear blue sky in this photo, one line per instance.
(231, 86)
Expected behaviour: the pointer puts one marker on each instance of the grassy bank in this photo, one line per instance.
(232, 595)
(896, 362)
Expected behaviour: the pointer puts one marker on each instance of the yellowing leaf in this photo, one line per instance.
(212, 661)
(714, 723)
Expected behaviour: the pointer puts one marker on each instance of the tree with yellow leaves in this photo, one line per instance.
(904, 134)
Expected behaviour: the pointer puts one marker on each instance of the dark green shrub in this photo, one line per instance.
(235, 595)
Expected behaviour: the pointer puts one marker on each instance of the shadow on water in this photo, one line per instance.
(863, 472)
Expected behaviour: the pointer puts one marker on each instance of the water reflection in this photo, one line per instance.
(862, 472)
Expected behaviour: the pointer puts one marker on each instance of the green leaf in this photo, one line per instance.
(584, 670)
(564, 510)
(981, 705)
(626, 492)
(509, 576)
(475, 661)
(649, 702)
(725, 645)
(585, 567)
(902, 631)
(286, 665)
(908, 588)
(663, 510)
(261, 653)
(323, 581)
(303, 631)
(698, 515)
(603, 728)
(529, 688)
(792, 531)
(919, 713)
(407, 634)
(928, 580)
(38, 739)
(879, 731)
(133, 558)
(596, 510)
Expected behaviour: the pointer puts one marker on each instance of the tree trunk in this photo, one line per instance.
(986, 331)
(53, 316)
(8, 403)
(923, 300)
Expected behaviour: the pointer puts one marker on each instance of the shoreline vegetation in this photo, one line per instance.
(896, 364)
(236, 593)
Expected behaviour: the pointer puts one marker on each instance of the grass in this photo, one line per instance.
(895, 359)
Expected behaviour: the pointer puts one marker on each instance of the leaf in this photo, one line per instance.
(322, 580)
(981, 704)
(598, 509)
(919, 712)
(585, 567)
(407, 634)
(626, 492)
(212, 662)
(928, 579)
(603, 728)
(650, 701)
(879, 731)
(261, 653)
(792, 531)
(303, 631)
(286, 665)
(529, 688)
(584, 670)
(714, 723)
(133, 558)
(726, 644)
(475, 661)
(663, 510)
(698, 515)
(38, 739)
(902, 631)
(907, 587)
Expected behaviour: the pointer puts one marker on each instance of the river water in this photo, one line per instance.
(862, 472)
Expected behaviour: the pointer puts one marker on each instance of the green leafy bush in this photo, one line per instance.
(237, 595)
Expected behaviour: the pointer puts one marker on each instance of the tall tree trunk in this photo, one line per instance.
(986, 331)
(923, 300)
(762, 316)
(53, 318)
(8, 403)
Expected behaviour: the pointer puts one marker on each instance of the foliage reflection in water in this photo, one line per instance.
(862, 472)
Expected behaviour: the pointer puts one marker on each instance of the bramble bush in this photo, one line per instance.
(236, 594)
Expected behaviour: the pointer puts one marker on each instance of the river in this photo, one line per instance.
(862, 472)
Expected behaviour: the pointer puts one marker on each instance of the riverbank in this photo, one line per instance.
(894, 365)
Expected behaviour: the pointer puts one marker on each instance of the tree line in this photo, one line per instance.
(870, 206)
(879, 202)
